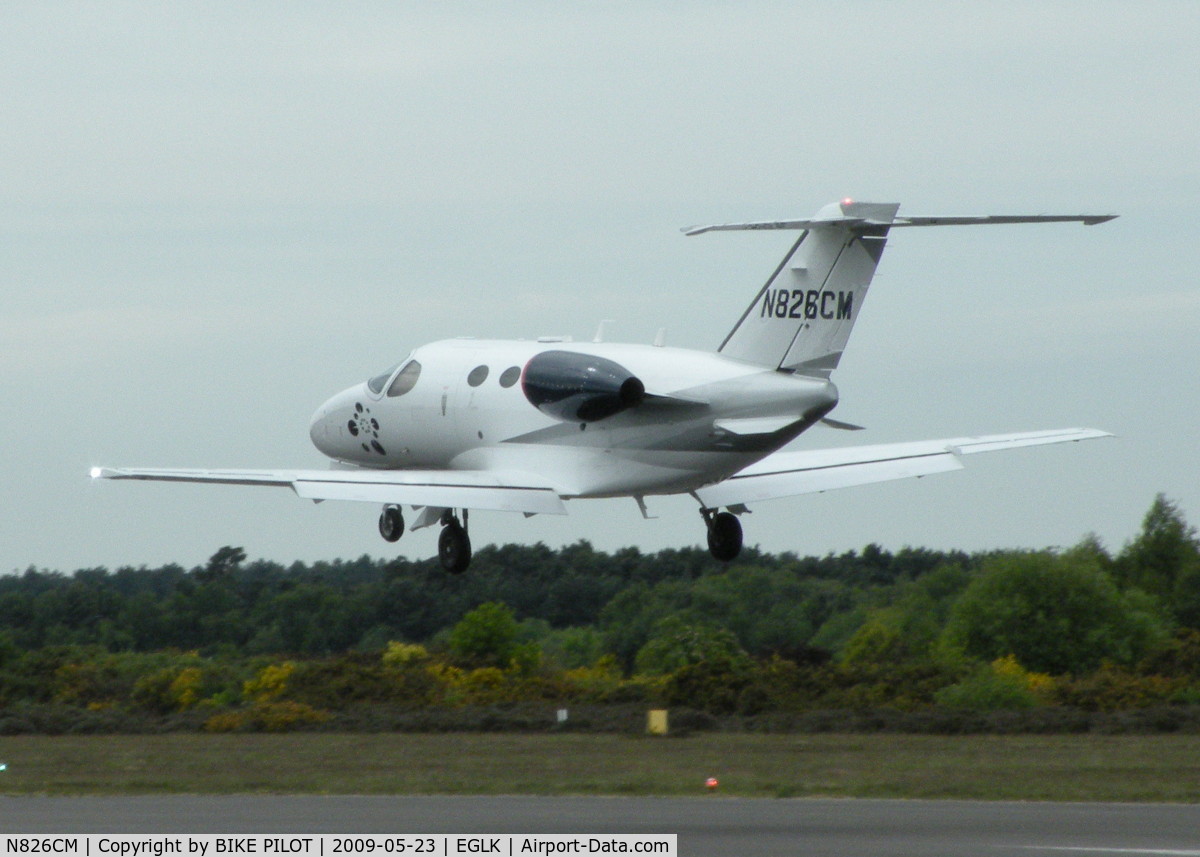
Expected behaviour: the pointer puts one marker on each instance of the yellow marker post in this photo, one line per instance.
(656, 721)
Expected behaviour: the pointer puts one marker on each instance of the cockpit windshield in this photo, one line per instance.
(406, 379)
(376, 384)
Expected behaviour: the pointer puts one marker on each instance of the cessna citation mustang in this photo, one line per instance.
(524, 426)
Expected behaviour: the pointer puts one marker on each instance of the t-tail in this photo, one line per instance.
(800, 321)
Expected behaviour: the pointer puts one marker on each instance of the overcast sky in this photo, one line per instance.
(215, 215)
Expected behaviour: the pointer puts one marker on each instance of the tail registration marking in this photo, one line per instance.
(798, 303)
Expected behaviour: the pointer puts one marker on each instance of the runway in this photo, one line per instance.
(711, 826)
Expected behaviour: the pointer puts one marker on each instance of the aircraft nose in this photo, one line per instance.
(323, 427)
(329, 428)
(318, 428)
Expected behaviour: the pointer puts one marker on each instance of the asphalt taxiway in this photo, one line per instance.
(711, 825)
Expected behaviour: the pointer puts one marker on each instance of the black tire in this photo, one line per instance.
(454, 548)
(725, 537)
(391, 524)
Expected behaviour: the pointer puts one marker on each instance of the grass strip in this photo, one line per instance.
(988, 767)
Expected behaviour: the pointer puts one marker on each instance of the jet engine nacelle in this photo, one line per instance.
(575, 387)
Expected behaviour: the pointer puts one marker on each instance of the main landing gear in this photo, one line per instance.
(454, 545)
(724, 534)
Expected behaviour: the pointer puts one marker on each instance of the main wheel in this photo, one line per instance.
(725, 536)
(454, 548)
(391, 524)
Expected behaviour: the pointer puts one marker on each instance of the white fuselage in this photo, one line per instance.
(468, 410)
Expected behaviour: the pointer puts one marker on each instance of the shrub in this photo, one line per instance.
(484, 686)
(996, 687)
(404, 655)
(266, 716)
(167, 690)
(715, 686)
(270, 683)
(594, 683)
(899, 686)
(353, 679)
(1178, 657)
(1114, 688)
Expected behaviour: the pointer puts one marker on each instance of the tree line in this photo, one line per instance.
(239, 644)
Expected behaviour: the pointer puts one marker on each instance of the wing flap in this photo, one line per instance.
(787, 474)
(809, 476)
(454, 489)
(501, 497)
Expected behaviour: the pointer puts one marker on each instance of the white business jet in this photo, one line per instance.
(524, 426)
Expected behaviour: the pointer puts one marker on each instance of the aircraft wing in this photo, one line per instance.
(451, 489)
(785, 474)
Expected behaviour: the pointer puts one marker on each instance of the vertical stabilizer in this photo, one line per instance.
(801, 319)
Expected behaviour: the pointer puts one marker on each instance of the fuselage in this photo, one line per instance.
(478, 405)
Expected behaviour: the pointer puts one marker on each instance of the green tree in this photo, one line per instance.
(222, 565)
(1056, 614)
(768, 611)
(1164, 560)
(486, 637)
(677, 643)
(908, 628)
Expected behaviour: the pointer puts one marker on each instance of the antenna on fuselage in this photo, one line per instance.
(599, 337)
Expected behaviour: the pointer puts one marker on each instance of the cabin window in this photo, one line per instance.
(509, 376)
(477, 376)
(406, 380)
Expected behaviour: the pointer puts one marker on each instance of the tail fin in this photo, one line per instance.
(801, 319)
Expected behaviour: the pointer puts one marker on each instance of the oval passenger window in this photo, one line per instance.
(509, 376)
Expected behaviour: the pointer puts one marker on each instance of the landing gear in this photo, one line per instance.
(724, 534)
(454, 545)
(391, 524)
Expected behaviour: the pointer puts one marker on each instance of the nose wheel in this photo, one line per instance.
(391, 524)
(724, 534)
(454, 545)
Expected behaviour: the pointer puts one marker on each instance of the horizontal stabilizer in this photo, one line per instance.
(787, 474)
(900, 221)
(840, 426)
(801, 319)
